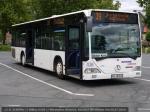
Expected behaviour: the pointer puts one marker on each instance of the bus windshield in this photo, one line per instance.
(115, 40)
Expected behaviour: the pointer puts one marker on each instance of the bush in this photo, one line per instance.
(146, 50)
(5, 48)
(145, 43)
(148, 36)
(0, 36)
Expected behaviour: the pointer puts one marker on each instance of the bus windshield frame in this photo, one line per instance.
(114, 36)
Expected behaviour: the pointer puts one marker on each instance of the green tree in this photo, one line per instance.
(148, 36)
(46, 8)
(146, 5)
(16, 11)
(11, 12)
(0, 36)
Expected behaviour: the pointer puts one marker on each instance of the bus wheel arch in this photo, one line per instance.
(58, 67)
(22, 58)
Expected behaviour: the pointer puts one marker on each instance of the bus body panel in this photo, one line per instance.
(109, 76)
(45, 58)
(18, 51)
(123, 67)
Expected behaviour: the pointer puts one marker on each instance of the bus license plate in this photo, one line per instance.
(117, 76)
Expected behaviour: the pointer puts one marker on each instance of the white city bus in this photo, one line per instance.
(87, 45)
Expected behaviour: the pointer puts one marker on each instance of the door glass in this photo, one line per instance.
(74, 51)
(74, 38)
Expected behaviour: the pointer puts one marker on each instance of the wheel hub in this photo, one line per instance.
(59, 68)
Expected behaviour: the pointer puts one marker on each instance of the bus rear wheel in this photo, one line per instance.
(59, 69)
(23, 62)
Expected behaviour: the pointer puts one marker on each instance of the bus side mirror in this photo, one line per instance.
(89, 24)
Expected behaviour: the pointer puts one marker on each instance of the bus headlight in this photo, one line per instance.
(91, 70)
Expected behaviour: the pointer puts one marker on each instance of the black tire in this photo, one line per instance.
(23, 62)
(58, 67)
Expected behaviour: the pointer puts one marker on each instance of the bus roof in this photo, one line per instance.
(86, 12)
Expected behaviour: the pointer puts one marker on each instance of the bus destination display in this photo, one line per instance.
(115, 17)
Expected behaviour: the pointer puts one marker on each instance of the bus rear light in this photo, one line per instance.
(91, 70)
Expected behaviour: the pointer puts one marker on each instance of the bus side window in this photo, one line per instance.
(58, 35)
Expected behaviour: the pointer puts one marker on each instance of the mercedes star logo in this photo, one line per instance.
(118, 67)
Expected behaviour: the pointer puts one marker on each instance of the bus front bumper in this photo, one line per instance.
(98, 76)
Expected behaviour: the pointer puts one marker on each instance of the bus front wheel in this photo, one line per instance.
(59, 69)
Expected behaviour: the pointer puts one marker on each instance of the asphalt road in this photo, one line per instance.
(30, 86)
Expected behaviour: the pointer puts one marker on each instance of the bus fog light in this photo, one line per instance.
(91, 70)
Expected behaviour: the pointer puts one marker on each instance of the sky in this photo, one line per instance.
(129, 5)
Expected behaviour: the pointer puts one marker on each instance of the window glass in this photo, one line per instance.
(58, 34)
(19, 37)
(43, 38)
(112, 39)
(74, 38)
(39, 40)
(22, 38)
(73, 33)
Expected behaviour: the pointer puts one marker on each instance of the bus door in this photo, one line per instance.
(73, 51)
(30, 47)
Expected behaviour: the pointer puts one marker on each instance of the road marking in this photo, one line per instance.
(145, 67)
(148, 109)
(14, 105)
(56, 87)
(142, 79)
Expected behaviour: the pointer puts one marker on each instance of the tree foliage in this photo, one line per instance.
(146, 5)
(16, 11)
(148, 36)
(46, 8)
(12, 12)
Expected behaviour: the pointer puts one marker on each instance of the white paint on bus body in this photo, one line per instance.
(108, 67)
(18, 51)
(42, 58)
(45, 58)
